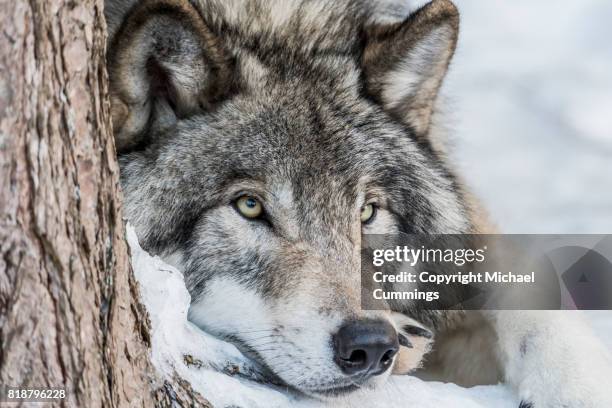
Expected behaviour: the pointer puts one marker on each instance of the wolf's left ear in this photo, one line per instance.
(404, 63)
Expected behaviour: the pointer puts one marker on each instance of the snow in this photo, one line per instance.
(531, 113)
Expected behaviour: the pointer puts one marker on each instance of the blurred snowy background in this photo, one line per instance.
(530, 106)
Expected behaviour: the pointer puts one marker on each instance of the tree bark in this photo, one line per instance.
(70, 315)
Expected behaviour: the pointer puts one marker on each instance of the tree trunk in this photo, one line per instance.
(69, 311)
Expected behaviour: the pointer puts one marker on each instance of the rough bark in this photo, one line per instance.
(69, 310)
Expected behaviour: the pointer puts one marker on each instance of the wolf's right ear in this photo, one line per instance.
(163, 63)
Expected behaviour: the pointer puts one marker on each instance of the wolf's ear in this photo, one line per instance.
(404, 63)
(164, 63)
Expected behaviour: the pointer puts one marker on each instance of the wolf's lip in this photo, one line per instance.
(334, 391)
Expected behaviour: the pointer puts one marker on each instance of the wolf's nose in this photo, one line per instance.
(365, 346)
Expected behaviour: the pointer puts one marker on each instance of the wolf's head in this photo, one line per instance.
(258, 141)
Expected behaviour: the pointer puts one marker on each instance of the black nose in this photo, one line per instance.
(365, 346)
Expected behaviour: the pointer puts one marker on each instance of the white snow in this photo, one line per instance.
(532, 109)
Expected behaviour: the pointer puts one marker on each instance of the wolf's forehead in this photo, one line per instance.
(310, 139)
(311, 76)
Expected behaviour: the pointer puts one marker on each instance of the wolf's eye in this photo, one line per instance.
(368, 212)
(249, 207)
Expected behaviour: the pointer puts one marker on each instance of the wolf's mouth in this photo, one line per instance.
(334, 391)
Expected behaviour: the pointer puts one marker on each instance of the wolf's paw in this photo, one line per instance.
(415, 341)
(577, 395)
(554, 360)
(577, 381)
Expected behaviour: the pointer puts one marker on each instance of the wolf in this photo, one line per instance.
(260, 140)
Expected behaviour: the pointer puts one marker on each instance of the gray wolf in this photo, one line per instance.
(258, 140)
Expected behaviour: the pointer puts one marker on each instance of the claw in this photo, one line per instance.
(403, 341)
(418, 331)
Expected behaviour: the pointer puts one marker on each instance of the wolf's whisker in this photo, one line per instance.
(307, 358)
(263, 337)
(266, 343)
(254, 331)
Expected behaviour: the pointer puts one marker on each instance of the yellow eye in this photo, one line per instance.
(368, 212)
(249, 207)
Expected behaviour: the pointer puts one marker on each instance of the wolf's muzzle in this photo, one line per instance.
(365, 347)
